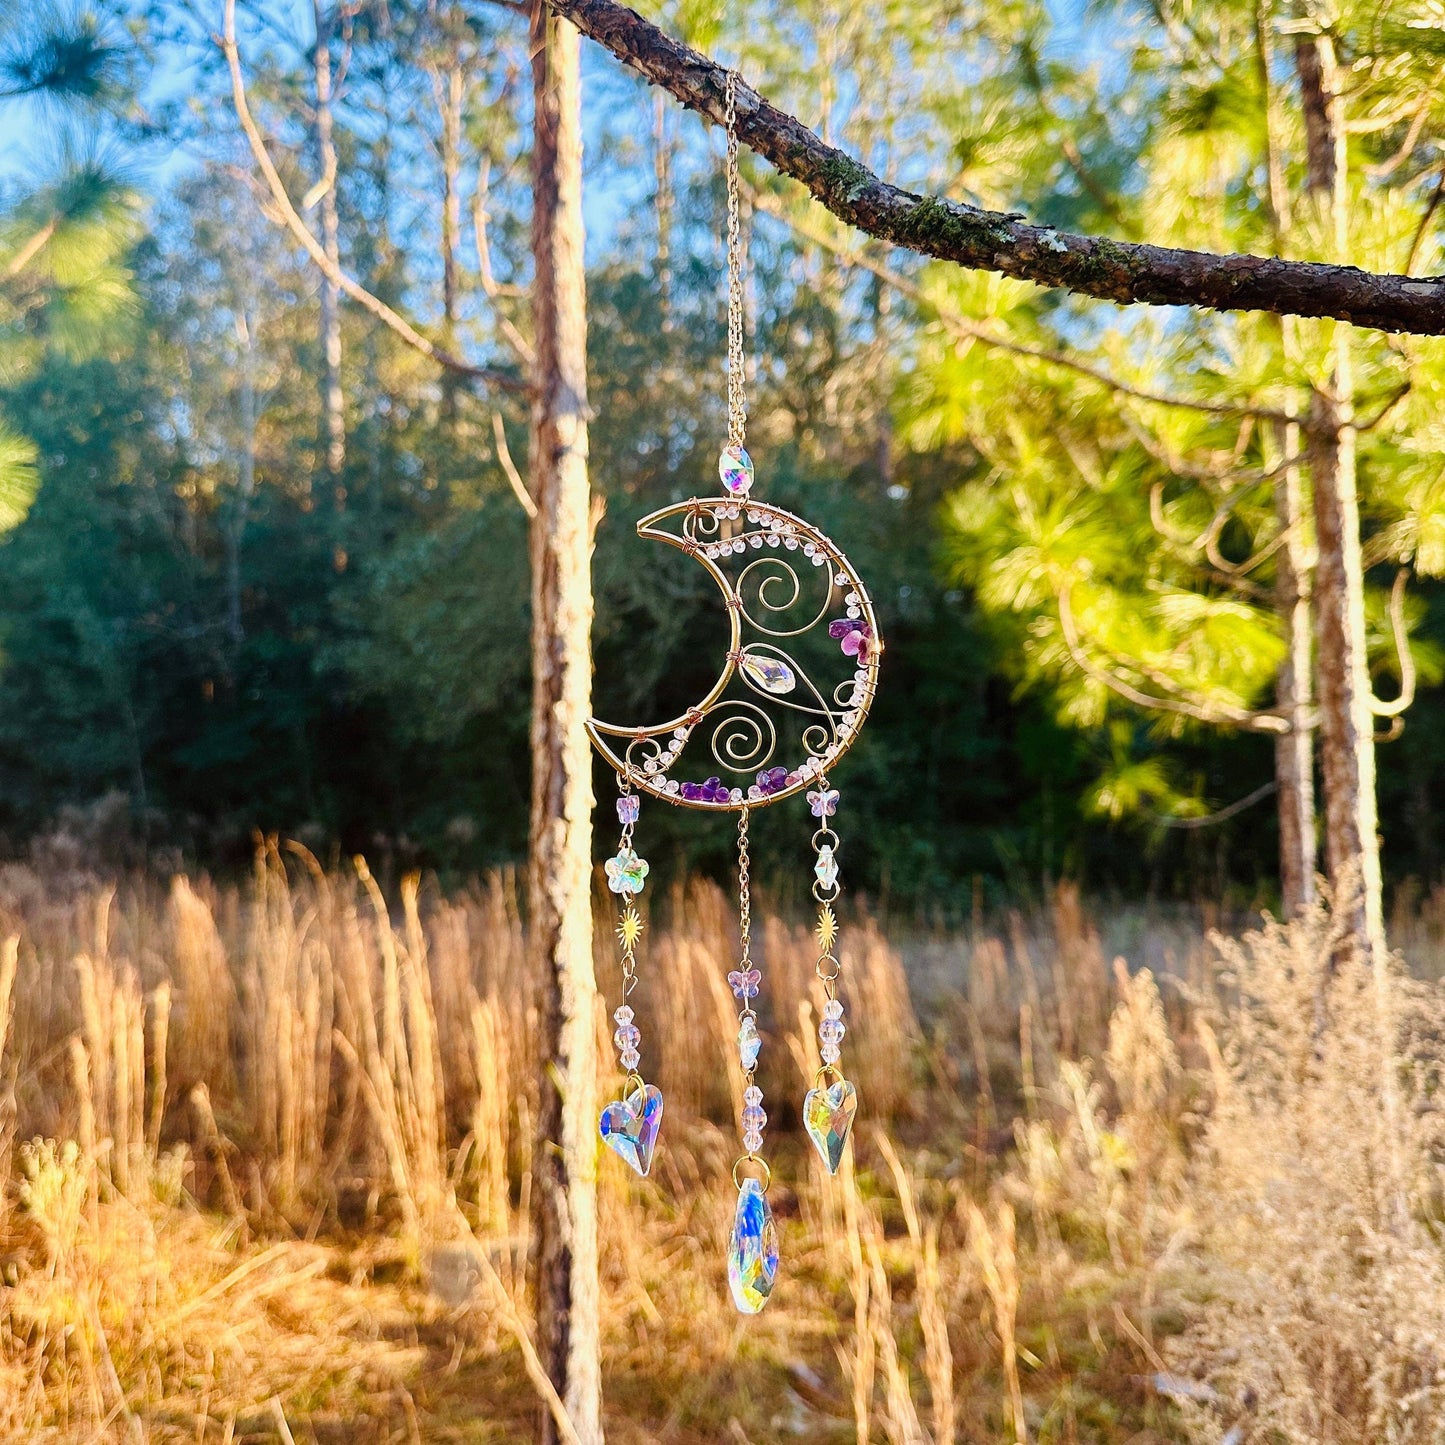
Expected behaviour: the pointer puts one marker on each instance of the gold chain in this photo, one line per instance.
(737, 402)
(745, 899)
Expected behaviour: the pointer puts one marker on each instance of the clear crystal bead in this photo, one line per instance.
(753, 1118)
(771, 674)
(627, 1037)
(752, 1142)
(830, 1053)
(624, 1014)
(752, 1095)
(833, 1009)
(826, 868)
(831, 1031)
(630, 1058)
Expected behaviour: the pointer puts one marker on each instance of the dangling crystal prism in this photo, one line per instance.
(629, 1126)
(826, 868)
(771, 674)
(752, 1250)
(735, 468)
(749, 1044)
(828, 1116)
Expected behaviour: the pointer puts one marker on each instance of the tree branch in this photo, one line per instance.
(1120, 271)
(1214, 714)
(1397, 705)
(970, 329)
(509, 468)
(1224, 814)
(291, 219)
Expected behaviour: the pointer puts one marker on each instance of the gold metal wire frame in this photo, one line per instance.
(708, 524)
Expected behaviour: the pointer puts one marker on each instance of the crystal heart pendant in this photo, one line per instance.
(828, 1117)
(629, 1125)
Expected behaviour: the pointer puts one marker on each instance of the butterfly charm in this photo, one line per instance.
(745, 983)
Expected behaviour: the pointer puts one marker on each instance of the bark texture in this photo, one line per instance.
(993, 241)
(1346, 715)
(1294, 750)
(564, 1190)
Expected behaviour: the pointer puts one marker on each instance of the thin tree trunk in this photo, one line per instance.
(564, 1193)
(1294, 750)
(245, 474)
(1346, 715)
(449, 101)
(662, 157)
(333, 400)
(1347, 722)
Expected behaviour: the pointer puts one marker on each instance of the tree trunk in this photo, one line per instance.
(1346, 714)
(449, 86)
(1294, 750)
(1347, 722)
(333, 401)
(246, 325)
(564, 1193)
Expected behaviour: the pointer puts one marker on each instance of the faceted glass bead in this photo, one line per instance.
(833, 1009)
(752, 1095)
(753, 1118)
(627, 807)
(624, 1014)
(826, 868)
(630, 1059)
(749, 1043)
(753, 1250)
(830, 1053)
(735, 468)
(753, 1141)
(831, 1031)
(627, 1037)
(771, 674)
(828, 1116)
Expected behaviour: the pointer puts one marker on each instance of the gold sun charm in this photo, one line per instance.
(827, 930)
(629, 928)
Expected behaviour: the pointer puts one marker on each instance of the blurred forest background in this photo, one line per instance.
(280, 1027)
(264, 567)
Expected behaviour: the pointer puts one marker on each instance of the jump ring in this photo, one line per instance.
(767, 1174)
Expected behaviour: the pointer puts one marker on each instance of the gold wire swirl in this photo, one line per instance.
(731, 735)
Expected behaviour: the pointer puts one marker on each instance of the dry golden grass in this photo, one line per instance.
(265, 1160)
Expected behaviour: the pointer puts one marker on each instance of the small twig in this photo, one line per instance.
(1400, 632)
(291, 219)
(509, 467)
(1223, 815)
(1217, 715)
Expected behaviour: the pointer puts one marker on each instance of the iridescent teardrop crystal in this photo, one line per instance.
(753, 1249)
(735, 469)
(771, 674)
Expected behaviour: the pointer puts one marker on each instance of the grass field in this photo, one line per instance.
(265, 1161)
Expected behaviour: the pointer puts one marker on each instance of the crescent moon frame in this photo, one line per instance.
(744, 734)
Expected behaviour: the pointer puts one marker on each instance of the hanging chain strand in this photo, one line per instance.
(628, 1038)
(737, 400)
(746, 982)
(745, 898)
